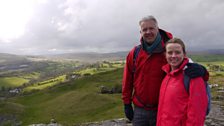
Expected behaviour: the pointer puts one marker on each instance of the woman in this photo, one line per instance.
(177, 107)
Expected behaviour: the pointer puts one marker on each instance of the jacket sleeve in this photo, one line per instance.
(197, 103)
(127, 83)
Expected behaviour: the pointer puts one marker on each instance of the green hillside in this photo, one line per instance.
(70, 103)
(206, 57)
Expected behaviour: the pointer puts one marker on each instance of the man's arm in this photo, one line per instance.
(127, 82)
(127, 87)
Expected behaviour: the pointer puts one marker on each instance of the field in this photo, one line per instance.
(12, 81)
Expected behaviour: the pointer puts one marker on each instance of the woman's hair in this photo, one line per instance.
(178, 41)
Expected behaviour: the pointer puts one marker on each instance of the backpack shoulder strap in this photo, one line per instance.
(136, 52)
(208, 91)
(187, 82)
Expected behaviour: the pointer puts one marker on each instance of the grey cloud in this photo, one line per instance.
(104, 26)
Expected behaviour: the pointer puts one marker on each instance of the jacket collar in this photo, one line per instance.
(167, 67)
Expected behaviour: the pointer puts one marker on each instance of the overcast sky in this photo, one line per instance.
(62, 26)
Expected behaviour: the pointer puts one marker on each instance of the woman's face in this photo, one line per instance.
(174, 55)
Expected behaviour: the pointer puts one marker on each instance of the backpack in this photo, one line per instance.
(187, 85)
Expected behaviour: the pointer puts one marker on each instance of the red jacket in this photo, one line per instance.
(144, 88)
(177, 107)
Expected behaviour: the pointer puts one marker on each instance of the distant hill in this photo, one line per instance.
(89, 57)
(207, 55)
(216, 51)
(210, 51)
(10, 62)
(92, 57)
(11, 58)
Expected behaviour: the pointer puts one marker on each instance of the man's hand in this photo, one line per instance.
(195, 70)
(128, 111)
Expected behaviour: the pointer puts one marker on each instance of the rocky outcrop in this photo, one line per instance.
(114, 122)
(8, 119)
(108, 90)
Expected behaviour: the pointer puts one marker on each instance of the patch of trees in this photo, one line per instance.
(49, 81)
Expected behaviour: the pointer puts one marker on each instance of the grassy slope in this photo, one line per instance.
(74, 102)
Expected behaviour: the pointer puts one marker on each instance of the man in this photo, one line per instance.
(143, 76)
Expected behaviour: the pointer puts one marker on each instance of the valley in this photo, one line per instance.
(74, 92)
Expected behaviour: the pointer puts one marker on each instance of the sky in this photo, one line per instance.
(36, 27)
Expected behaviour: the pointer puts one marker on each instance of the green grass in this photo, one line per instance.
(74, 102)
(12, 81)
(10, 107)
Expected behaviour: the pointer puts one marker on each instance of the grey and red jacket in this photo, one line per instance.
(142, 86)
(177, 107)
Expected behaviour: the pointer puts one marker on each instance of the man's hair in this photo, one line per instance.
(148, 18)
(178, 41)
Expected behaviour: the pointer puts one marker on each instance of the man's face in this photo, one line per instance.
(174, 55)
(149, 31)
